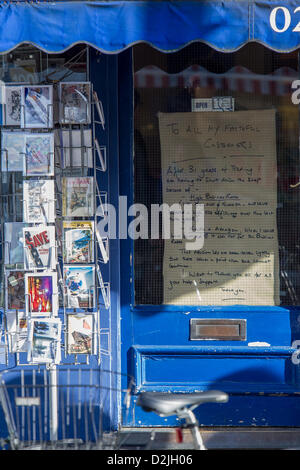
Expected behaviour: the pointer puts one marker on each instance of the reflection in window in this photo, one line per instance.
(258, 80)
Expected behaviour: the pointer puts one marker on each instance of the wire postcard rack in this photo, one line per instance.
(75, 152)
(59, 409)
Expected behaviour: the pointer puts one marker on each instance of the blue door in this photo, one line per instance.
(246, 347)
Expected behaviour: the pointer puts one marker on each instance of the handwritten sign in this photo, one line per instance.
(226, 161)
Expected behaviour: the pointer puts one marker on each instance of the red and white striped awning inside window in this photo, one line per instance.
(238, 79)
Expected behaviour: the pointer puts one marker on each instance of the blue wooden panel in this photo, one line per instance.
(202, 370)
(104, 76)
(262, 383)
(245, 410)
(163, 359)
(272, 325)
(234, 369)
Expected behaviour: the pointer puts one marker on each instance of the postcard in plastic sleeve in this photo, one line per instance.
(39, 155)
(80, 334)
(39, 247)
(78, 242)
(79, 286)
(15, 290)
(38, 201)
(78, 196)
(44, 341)
(41, 293)
(37, 107)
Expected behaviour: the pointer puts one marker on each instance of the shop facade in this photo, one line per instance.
(189, 135)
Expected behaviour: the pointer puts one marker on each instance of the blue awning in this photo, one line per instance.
(112, 26)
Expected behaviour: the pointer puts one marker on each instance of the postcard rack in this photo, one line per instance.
(56, 299)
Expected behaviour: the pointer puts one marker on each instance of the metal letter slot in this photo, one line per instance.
(217, 329)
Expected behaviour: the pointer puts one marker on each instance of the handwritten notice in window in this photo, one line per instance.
(226, 161)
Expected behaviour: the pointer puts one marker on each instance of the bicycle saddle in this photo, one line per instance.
(169, 403)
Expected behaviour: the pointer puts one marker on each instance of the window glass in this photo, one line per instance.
(26, 64)
(237, 157)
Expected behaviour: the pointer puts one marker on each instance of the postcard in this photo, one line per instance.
(41, 293)
(37, 106)
(15, 290)
(80, 334)
(79, 286)
(75, 147)
(17, 328)
(13, 239)
(12, 150)
(78, 242)
(12, 111)
(38, 201)
(75, 102)
(78, 196)
(39, 155)
(39, 247)
(44, 341)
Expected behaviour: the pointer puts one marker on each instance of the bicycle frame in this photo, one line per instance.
(192, 423)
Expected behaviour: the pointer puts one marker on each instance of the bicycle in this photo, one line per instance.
(181, 405)
(63, 409)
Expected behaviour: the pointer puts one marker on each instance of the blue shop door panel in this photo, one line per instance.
(257, 372)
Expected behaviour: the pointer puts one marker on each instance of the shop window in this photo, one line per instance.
(241, 163)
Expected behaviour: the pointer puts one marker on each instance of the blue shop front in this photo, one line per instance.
(154, 241)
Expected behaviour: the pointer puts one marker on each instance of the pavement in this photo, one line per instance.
(214, 438)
